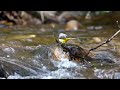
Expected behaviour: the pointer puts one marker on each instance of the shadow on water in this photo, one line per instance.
(29, 53)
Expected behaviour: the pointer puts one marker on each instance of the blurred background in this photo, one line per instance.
(58, 17)
(28, 48)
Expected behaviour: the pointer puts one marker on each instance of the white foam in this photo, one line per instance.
(15, 76)
(99, 73)
(64, 63)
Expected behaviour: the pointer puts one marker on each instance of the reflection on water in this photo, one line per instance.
(28, 53)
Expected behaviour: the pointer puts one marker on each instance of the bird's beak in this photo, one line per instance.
(65, 40)
(70, 38)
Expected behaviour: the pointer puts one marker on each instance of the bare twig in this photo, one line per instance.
(108, 40)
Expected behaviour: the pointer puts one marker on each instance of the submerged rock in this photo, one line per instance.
(104, 56)
(3, 73)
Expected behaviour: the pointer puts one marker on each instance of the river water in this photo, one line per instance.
(25, 53)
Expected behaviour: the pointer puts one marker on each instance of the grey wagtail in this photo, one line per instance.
(63, 38)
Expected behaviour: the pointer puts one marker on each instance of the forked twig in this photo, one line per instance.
(108, 40)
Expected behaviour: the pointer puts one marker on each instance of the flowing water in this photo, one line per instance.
(29, 53)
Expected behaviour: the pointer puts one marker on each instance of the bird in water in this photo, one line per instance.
(75, 52)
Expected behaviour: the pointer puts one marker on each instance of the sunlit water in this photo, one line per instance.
(25, 54)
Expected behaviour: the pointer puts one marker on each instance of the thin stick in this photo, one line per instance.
(108, 40)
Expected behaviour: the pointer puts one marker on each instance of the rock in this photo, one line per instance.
(70, 15)
(72, 25)
(97, 40)
(58, 53)
(104, 56)
(2, 72)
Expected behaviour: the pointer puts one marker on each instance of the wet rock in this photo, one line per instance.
(43, 55)
(26, 60)
(9, 50)
(58, 53)
(2, 71)
(42, 52)
(11, 66)
(104, 56)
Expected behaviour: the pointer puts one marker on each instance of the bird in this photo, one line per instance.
(75, 52)
(63, 38)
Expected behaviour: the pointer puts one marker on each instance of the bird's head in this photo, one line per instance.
(63, 38)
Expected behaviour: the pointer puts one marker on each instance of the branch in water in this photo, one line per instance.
(108, 40)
